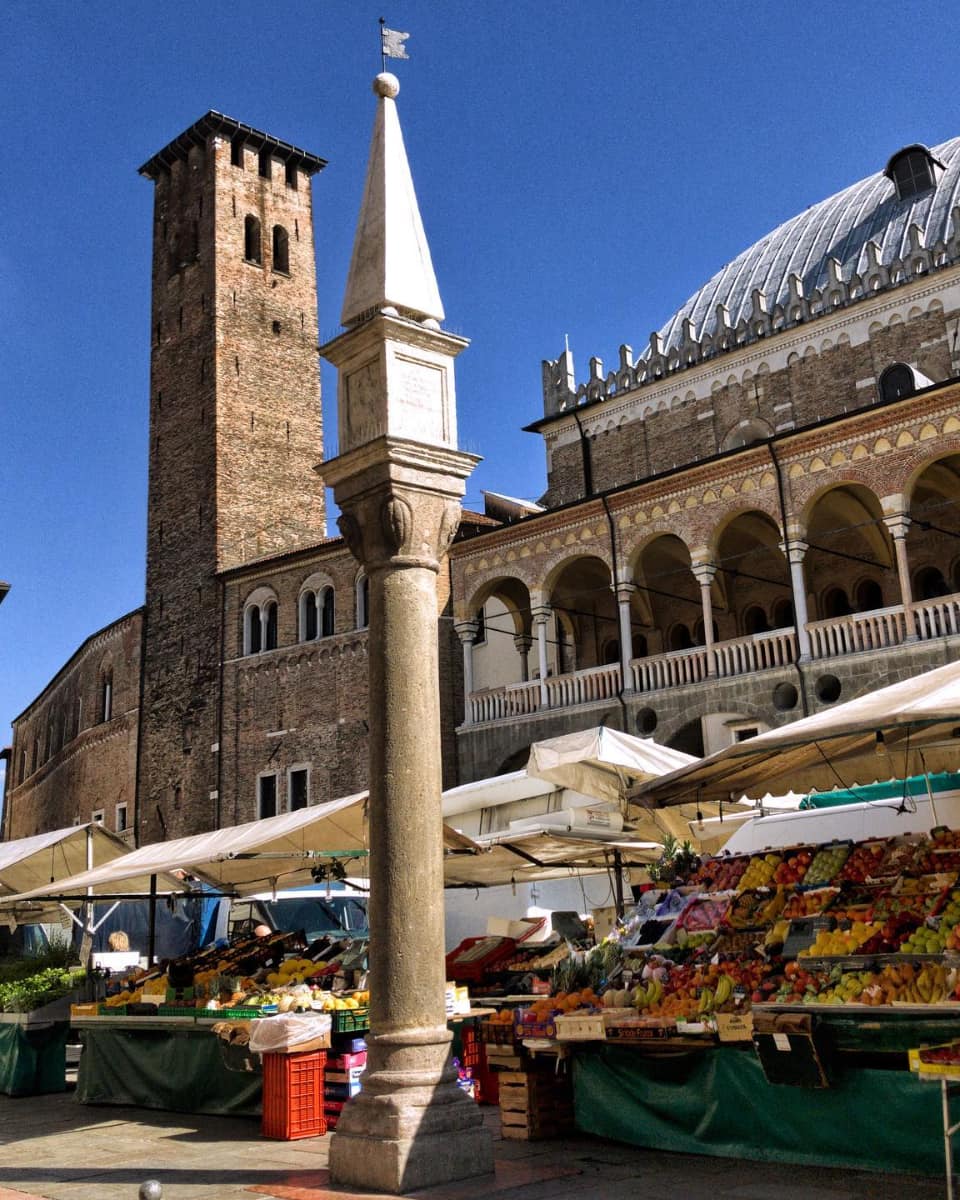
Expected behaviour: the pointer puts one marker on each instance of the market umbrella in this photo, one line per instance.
(908, 727)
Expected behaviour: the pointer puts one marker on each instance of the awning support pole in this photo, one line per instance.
(152, 942)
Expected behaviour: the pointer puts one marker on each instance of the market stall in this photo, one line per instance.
(765, 1006)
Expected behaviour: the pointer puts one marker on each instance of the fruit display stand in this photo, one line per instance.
(941, 1065)
(845, 954)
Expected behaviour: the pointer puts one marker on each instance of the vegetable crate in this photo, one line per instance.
(293, 1100)
(534, 1105)
(497, 1033)
(350, 1020)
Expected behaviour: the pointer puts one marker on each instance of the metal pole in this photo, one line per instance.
(618, 883)
(152, 943)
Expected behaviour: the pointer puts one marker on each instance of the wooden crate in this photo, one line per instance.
(535, 1105)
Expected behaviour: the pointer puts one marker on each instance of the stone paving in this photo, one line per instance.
(53, 1147)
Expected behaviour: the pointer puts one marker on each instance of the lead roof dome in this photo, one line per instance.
(840, 227)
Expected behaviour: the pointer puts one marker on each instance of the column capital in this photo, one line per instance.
(898, 524)
(624, 591)
(540, 614)
(704, 572)
(466, 631)
(399, 501)
(794, 550)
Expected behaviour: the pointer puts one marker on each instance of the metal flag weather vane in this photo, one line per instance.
(391, 44)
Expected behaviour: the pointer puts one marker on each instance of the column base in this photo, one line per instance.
(401, 1143)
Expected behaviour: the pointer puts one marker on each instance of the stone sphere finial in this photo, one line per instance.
(150, 1189)
(387, 85)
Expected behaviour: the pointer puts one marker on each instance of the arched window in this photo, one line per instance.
(783, 613)
(327, 613)
(679, 638)
(929, 583)
(611, 652)
(363, 602)
(281, 250)
(755, 620)
(252, 250)
(912, 171)
(308, 616)
(835, 603)
(252, 630)
(640, 645)
(897, 382)
(270, 641)
(869, 595)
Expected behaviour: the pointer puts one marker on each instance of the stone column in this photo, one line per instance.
(467, 632)
(704, 573)
(542, 614)
(624, 593)
(523, 643)
(794, 551)
(411, 1126)
(899, 524)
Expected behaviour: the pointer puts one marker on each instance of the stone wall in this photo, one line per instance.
(71, 759)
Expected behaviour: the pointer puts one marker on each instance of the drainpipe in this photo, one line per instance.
(781, 496)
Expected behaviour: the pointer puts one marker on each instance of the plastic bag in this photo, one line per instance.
(288, 1031)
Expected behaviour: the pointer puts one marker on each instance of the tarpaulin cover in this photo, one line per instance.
(718, 1102)
(33, 1061)
(174, 1070)
(601, 762)
(890, 789)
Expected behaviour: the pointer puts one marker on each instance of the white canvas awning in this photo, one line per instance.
(547, 853)
(602, 762)
(29, 863)
(246, 858)
(915, 725)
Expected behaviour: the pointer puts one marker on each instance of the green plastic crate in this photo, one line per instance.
(350, 1020)
(176, 1010)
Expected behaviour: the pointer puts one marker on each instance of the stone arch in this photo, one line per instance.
(843, 526)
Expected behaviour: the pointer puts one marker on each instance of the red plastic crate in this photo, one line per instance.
(470, 961)
(293, 1096)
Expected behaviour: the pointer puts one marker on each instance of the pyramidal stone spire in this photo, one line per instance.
(390, 268)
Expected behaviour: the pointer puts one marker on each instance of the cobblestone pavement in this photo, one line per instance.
(53, 1147)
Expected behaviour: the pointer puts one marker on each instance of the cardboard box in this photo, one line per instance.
(735, 1027)
(573, 1027)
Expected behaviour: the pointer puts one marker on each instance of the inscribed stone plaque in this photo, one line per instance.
(361, 419)
(418, 404)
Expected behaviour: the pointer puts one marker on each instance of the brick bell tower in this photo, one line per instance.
(235, 431)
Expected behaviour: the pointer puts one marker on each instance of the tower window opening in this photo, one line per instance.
(236, 152)
(252, 251)
(276, 326)
(897, 382)
(327, 613)
(292, 175)
(271, 630)
(106, 696)
(308, 617)
(363, 602)
(281, 250)
(266, 165)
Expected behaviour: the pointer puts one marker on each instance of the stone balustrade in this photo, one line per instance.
(853, 634)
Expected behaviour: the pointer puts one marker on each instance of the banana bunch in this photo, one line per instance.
(724, 991)
(931, 983)
(647, 997)
(708, 1001)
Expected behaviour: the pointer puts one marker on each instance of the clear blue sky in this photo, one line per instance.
(581, 169)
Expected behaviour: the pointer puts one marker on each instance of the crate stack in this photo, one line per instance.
(346, 1063)
(474, 1058)
(535, 1104)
